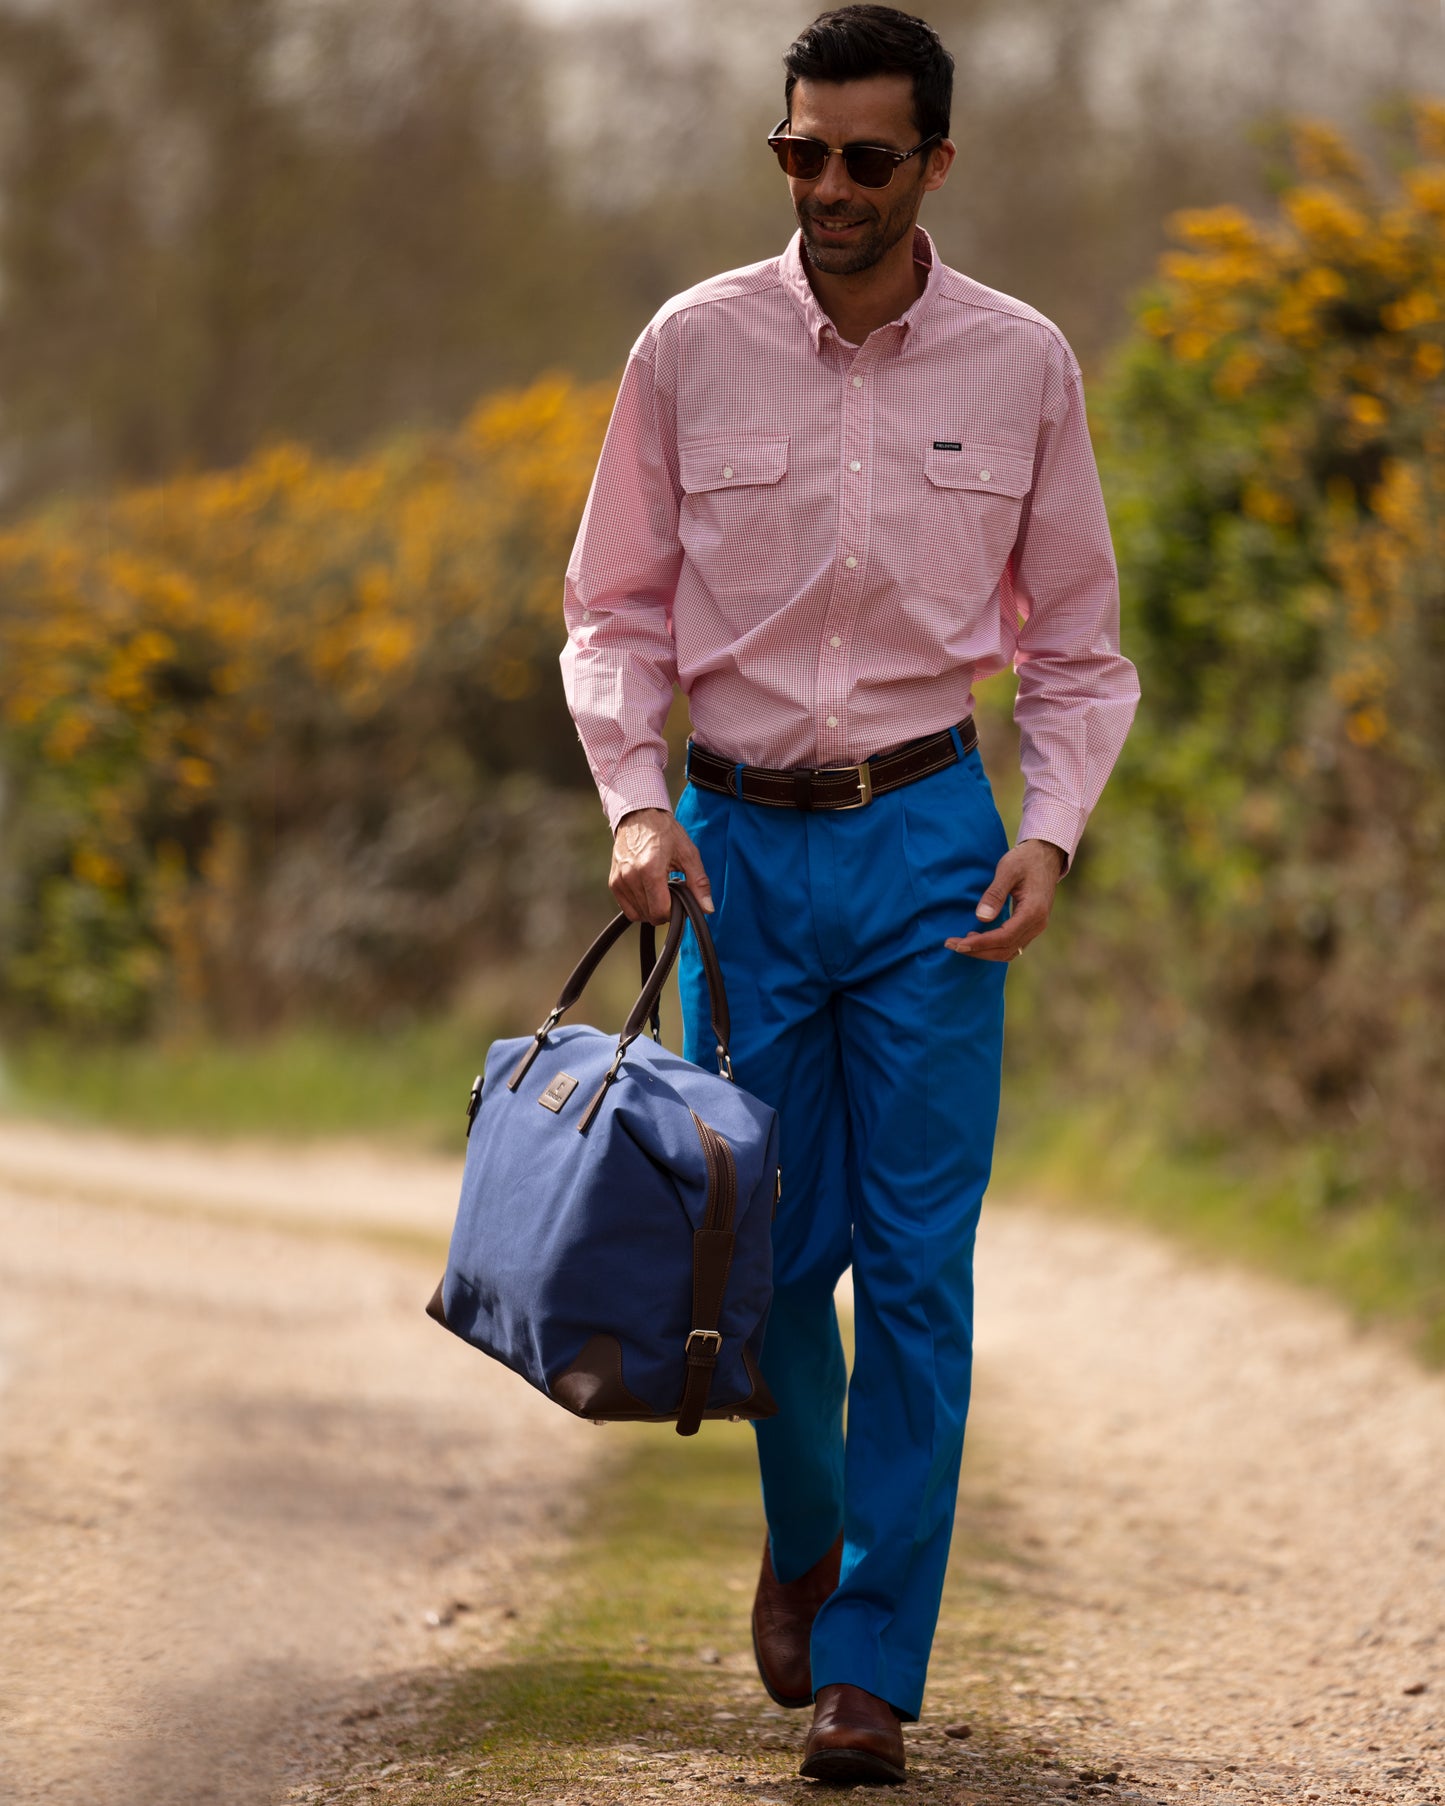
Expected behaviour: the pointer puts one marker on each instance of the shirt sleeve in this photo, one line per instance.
(1076, 691)
(619, 664)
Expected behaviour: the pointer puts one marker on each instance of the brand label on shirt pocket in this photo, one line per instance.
(706, 464)
(987, 469)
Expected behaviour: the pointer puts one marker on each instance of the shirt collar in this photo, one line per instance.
(793, 270)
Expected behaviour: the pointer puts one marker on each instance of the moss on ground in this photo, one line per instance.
(637, 1680)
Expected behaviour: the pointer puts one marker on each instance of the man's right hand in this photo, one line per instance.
(648, 844)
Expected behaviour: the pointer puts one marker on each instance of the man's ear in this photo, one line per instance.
(940, 161)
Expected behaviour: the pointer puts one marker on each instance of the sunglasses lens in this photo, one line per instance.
(802, 158)
(869, 168)
(805, 159)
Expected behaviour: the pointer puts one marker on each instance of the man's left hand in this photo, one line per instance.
(1029, 873)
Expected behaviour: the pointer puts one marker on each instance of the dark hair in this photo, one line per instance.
(853, 42)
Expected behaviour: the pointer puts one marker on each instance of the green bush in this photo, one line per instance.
(1261, 903)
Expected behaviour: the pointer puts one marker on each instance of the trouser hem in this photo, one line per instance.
(787, 1570)
(906, 1701)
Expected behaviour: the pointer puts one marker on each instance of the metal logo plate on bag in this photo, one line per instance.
(558, 1091)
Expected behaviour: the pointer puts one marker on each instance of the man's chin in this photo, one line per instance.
(841, 260)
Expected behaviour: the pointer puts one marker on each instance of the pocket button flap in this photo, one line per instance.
(985, 468)
(727, 463)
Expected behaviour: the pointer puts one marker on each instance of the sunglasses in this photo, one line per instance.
(868, 165)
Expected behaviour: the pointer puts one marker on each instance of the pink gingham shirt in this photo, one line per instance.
(828, 546)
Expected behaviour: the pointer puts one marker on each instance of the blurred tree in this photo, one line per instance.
(223, 221)
(228, 219)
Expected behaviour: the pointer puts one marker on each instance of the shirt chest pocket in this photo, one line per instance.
(983, 469)
(706, 465)
(968, 514)
(733, 521)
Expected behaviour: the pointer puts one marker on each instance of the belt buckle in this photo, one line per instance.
(865, 784)
(711, 1340)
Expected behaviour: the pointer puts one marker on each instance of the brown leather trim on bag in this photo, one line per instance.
(434, 1306)
(712, 1259)
(593, 1385)
(760, 1401)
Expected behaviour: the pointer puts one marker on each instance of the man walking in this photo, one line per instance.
(838, 488)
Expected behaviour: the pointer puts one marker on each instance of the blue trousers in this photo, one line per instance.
(880, 1050)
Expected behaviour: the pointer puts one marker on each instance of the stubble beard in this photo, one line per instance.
(871, 245)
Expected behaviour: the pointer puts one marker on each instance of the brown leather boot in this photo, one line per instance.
(855, 1737)
(783, 1625)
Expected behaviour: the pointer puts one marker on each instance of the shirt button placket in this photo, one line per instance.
(852, 552)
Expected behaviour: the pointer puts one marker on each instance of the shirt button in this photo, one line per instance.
(855, 465)
(832, 721)
(727, 470)
(586, 614)
(852, 563)
(857, 382)
(835, 641)
(985, 476)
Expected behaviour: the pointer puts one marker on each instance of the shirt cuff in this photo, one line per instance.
(640, 789)
(1045, 819)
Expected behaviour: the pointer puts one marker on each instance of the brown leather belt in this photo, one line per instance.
(831, 786)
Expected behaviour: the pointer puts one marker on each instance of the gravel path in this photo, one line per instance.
(1234, 1506)
(238, 1465)
(238, 1468)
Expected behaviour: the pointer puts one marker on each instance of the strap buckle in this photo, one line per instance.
(712, 1338)
(865, 784)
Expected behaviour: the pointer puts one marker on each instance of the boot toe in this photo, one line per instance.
(856, 1739)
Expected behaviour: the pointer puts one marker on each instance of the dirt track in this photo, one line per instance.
(239, 1468)
(1235, 1509)
(238, 1465)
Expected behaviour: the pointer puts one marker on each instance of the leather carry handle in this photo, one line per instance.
(685, 908)
(570, 992)
(684, 904)
(657, 968)
(647, 948)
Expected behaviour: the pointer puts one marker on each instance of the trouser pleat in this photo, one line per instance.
(881, 1052)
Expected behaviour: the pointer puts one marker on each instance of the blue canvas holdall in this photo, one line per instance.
(613, 1243)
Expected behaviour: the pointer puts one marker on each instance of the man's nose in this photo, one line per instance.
(833, 185)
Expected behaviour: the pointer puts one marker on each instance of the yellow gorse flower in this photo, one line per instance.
(1331, 321)
(155, 643)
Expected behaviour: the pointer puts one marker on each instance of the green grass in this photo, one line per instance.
(1291, 1211)
(410, 1085)
(405, 1082)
